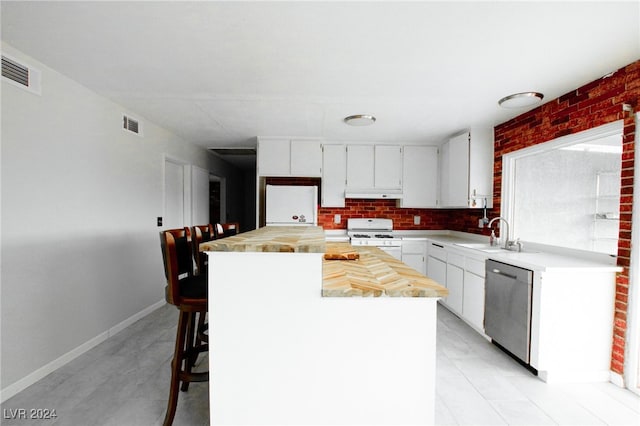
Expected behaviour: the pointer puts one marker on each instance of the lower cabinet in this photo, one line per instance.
(455, 281)
(414, 254)
(473, 300)
(437, 270)
(464, 276)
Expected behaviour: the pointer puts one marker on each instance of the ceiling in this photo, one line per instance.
(218, 74)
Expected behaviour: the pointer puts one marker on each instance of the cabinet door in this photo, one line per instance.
(334, 175)
(437, 270)
(473, 299)
(455, 284)
(419, 176)
(388, 167)
(416, 261)
(360, 166)
(306, 158)
(274, 157)
(414, 254)
(454, 162)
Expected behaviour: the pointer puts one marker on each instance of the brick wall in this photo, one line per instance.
(402, 218)
(592, 105)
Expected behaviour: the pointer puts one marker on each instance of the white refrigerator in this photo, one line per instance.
(288, 205)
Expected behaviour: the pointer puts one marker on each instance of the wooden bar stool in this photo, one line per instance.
(201, 234)
(188, 292)
(226, 229)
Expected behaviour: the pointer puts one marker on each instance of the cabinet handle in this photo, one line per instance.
(437, 245)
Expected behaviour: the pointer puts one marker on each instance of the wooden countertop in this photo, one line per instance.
(284, 239)
(375, 273)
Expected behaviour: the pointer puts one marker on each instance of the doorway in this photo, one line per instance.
(217, 199)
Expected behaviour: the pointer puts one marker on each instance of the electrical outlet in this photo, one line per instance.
(337, 218)
(159, 222)
(480, 223)
(416, 220)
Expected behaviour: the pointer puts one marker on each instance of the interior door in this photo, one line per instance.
(199, 196)
(174, 194)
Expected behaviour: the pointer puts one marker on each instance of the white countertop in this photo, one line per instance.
(535, 256)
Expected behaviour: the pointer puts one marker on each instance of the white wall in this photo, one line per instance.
(80, 197)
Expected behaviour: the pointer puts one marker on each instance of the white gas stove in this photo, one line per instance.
(374, 232)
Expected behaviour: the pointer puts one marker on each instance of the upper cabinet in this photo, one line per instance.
(419, 177)
(374, 171)
(289, 157)
(466, 170)
(334, 175)
(274, 157)
(388, 167)
(306, 158)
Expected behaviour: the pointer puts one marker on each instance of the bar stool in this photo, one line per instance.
(188, 292)
(226, 229)
(201, 234)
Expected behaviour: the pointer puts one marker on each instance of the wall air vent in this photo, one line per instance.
(131, 125)
(20, 75)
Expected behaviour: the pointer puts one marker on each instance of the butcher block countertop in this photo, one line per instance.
(347, 271)
(283, 239)
(373, 273)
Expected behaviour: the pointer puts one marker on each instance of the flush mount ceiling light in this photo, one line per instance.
(360, 120)
(520, 100)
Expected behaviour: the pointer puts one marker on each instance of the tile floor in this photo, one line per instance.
(477, 384)
(124, 380)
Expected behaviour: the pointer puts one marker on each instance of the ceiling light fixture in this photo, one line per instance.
(521, 100)
(360, 120)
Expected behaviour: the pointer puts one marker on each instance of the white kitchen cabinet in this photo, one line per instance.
(466, 170)
(414, 254)
(274, 157)
(419, 177)
(374, 167)
(473, 296)
(334, 175)
(572, 324)
(306, 158)
(437, 263)
(360, 164)
(286, 157)
(388, 166)
(454, 179)
(455, 281)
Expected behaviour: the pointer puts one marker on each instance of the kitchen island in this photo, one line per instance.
(285, 351)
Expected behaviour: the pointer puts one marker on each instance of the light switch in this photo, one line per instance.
(337, 218)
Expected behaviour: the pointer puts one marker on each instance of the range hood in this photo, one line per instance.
(373, 193)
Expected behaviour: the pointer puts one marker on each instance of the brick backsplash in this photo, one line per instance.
(402, 218)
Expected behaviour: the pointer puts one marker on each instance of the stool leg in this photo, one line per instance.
(190, 354)
(176, 365)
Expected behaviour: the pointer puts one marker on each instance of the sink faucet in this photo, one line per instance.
(507, 243)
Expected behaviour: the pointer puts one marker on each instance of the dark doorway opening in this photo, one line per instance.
(214, 202)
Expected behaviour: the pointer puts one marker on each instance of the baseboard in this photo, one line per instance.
(49, 368)
(579, 376)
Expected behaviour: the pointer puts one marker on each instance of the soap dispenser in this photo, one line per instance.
(493, 241)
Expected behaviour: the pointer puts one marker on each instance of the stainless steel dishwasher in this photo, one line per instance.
(507, 317)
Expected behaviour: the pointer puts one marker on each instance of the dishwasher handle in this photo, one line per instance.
(499, 272)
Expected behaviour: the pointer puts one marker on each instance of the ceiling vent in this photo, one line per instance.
(131, 125)
(21, 75)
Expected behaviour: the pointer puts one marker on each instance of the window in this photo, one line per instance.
(566, 192)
